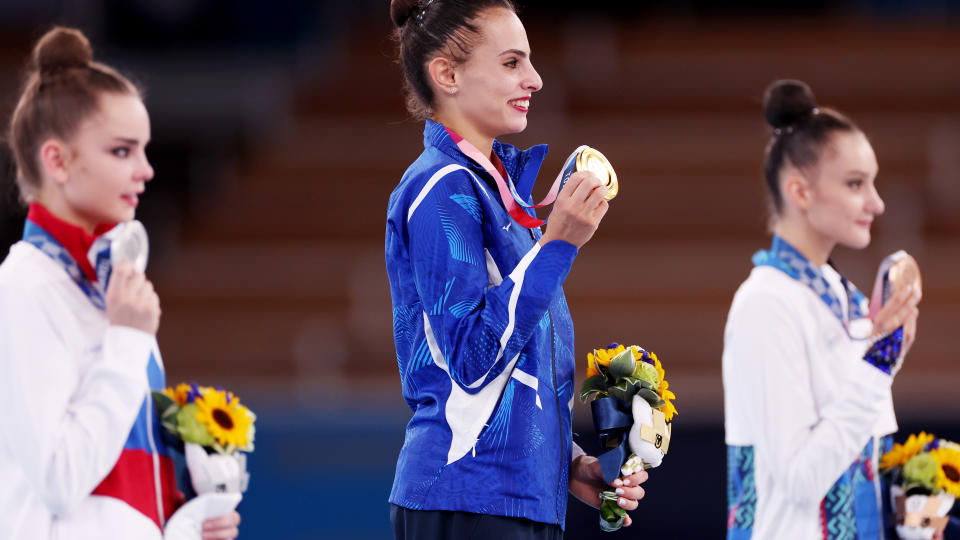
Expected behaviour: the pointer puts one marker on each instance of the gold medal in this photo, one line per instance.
(592, 160)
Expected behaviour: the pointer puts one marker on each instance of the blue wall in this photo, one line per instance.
(326, 472)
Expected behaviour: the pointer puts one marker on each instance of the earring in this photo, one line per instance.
(452, 90)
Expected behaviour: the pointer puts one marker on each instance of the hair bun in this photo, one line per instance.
(62, 48)
(402, 10)
(787, 101)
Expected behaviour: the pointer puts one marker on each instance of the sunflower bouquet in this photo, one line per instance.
(215, 428)
(924, 475)
(632, 406)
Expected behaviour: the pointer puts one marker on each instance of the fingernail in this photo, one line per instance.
(618, 482)
(626, 481)
(621, 501)
(619, 491)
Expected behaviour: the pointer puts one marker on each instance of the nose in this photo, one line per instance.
(144, 172)
(875, 202)
(533, 82)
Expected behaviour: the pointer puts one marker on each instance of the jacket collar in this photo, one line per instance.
(76, 241)
(522, 165)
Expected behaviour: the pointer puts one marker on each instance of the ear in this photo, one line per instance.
(443, 74)
(797, 189)
(54, 158)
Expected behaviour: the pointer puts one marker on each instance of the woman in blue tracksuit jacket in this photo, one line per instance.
(483, 334)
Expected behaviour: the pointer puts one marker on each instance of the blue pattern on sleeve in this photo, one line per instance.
(885, 352)
(470, 204)
(741, 492)
(849, 511)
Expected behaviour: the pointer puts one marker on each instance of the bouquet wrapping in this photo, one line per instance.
(924, 477)
(632, 407)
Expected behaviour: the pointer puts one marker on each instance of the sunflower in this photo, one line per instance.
(948, 444)
(900, 453)
(948, 474)
(591, 366)
(178, 393)
(230, 423)
(603, 356)
(665, 393)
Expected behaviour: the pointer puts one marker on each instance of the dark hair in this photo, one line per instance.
(425, 27)
(800, 130)
(61, 89)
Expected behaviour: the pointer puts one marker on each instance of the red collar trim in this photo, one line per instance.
(74, 239)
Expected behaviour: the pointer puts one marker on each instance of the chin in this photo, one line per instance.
(516, 126)
(121, 217)
(860, 241)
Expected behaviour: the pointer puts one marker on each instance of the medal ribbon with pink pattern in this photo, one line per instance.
(508, 194)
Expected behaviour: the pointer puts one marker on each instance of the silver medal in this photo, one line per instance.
(129, 243)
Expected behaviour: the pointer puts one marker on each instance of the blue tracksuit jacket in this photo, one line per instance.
(484, 340)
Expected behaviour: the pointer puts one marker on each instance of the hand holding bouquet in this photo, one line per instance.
(924, 474)
(215, 429)
(632, 406)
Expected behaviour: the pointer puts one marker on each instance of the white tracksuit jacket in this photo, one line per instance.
(801, 408)
(71, 387)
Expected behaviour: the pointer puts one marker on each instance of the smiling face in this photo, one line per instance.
(105, 163)
(843, 196)
(495, 84)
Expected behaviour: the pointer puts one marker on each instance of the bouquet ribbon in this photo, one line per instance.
(612, 420)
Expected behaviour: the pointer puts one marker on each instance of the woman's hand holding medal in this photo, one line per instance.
(131, 300)
(896, 293)
(899, 310)
(577, 212)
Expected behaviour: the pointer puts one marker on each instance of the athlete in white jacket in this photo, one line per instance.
(806, 381)
(73, 387)
(80, 449)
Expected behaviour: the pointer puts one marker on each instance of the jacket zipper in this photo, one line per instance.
(877, 484)
(158, 488)
(556, 395)
(561, 489)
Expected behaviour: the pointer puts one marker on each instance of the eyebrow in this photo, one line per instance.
(858, 172)
(126, 140)
(518, 52)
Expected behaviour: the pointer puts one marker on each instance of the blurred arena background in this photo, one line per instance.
(279, 131)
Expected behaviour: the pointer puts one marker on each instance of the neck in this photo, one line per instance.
(815, 247)
(59, 208)
(483, 143)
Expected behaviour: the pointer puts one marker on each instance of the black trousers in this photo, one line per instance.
(443, 525)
